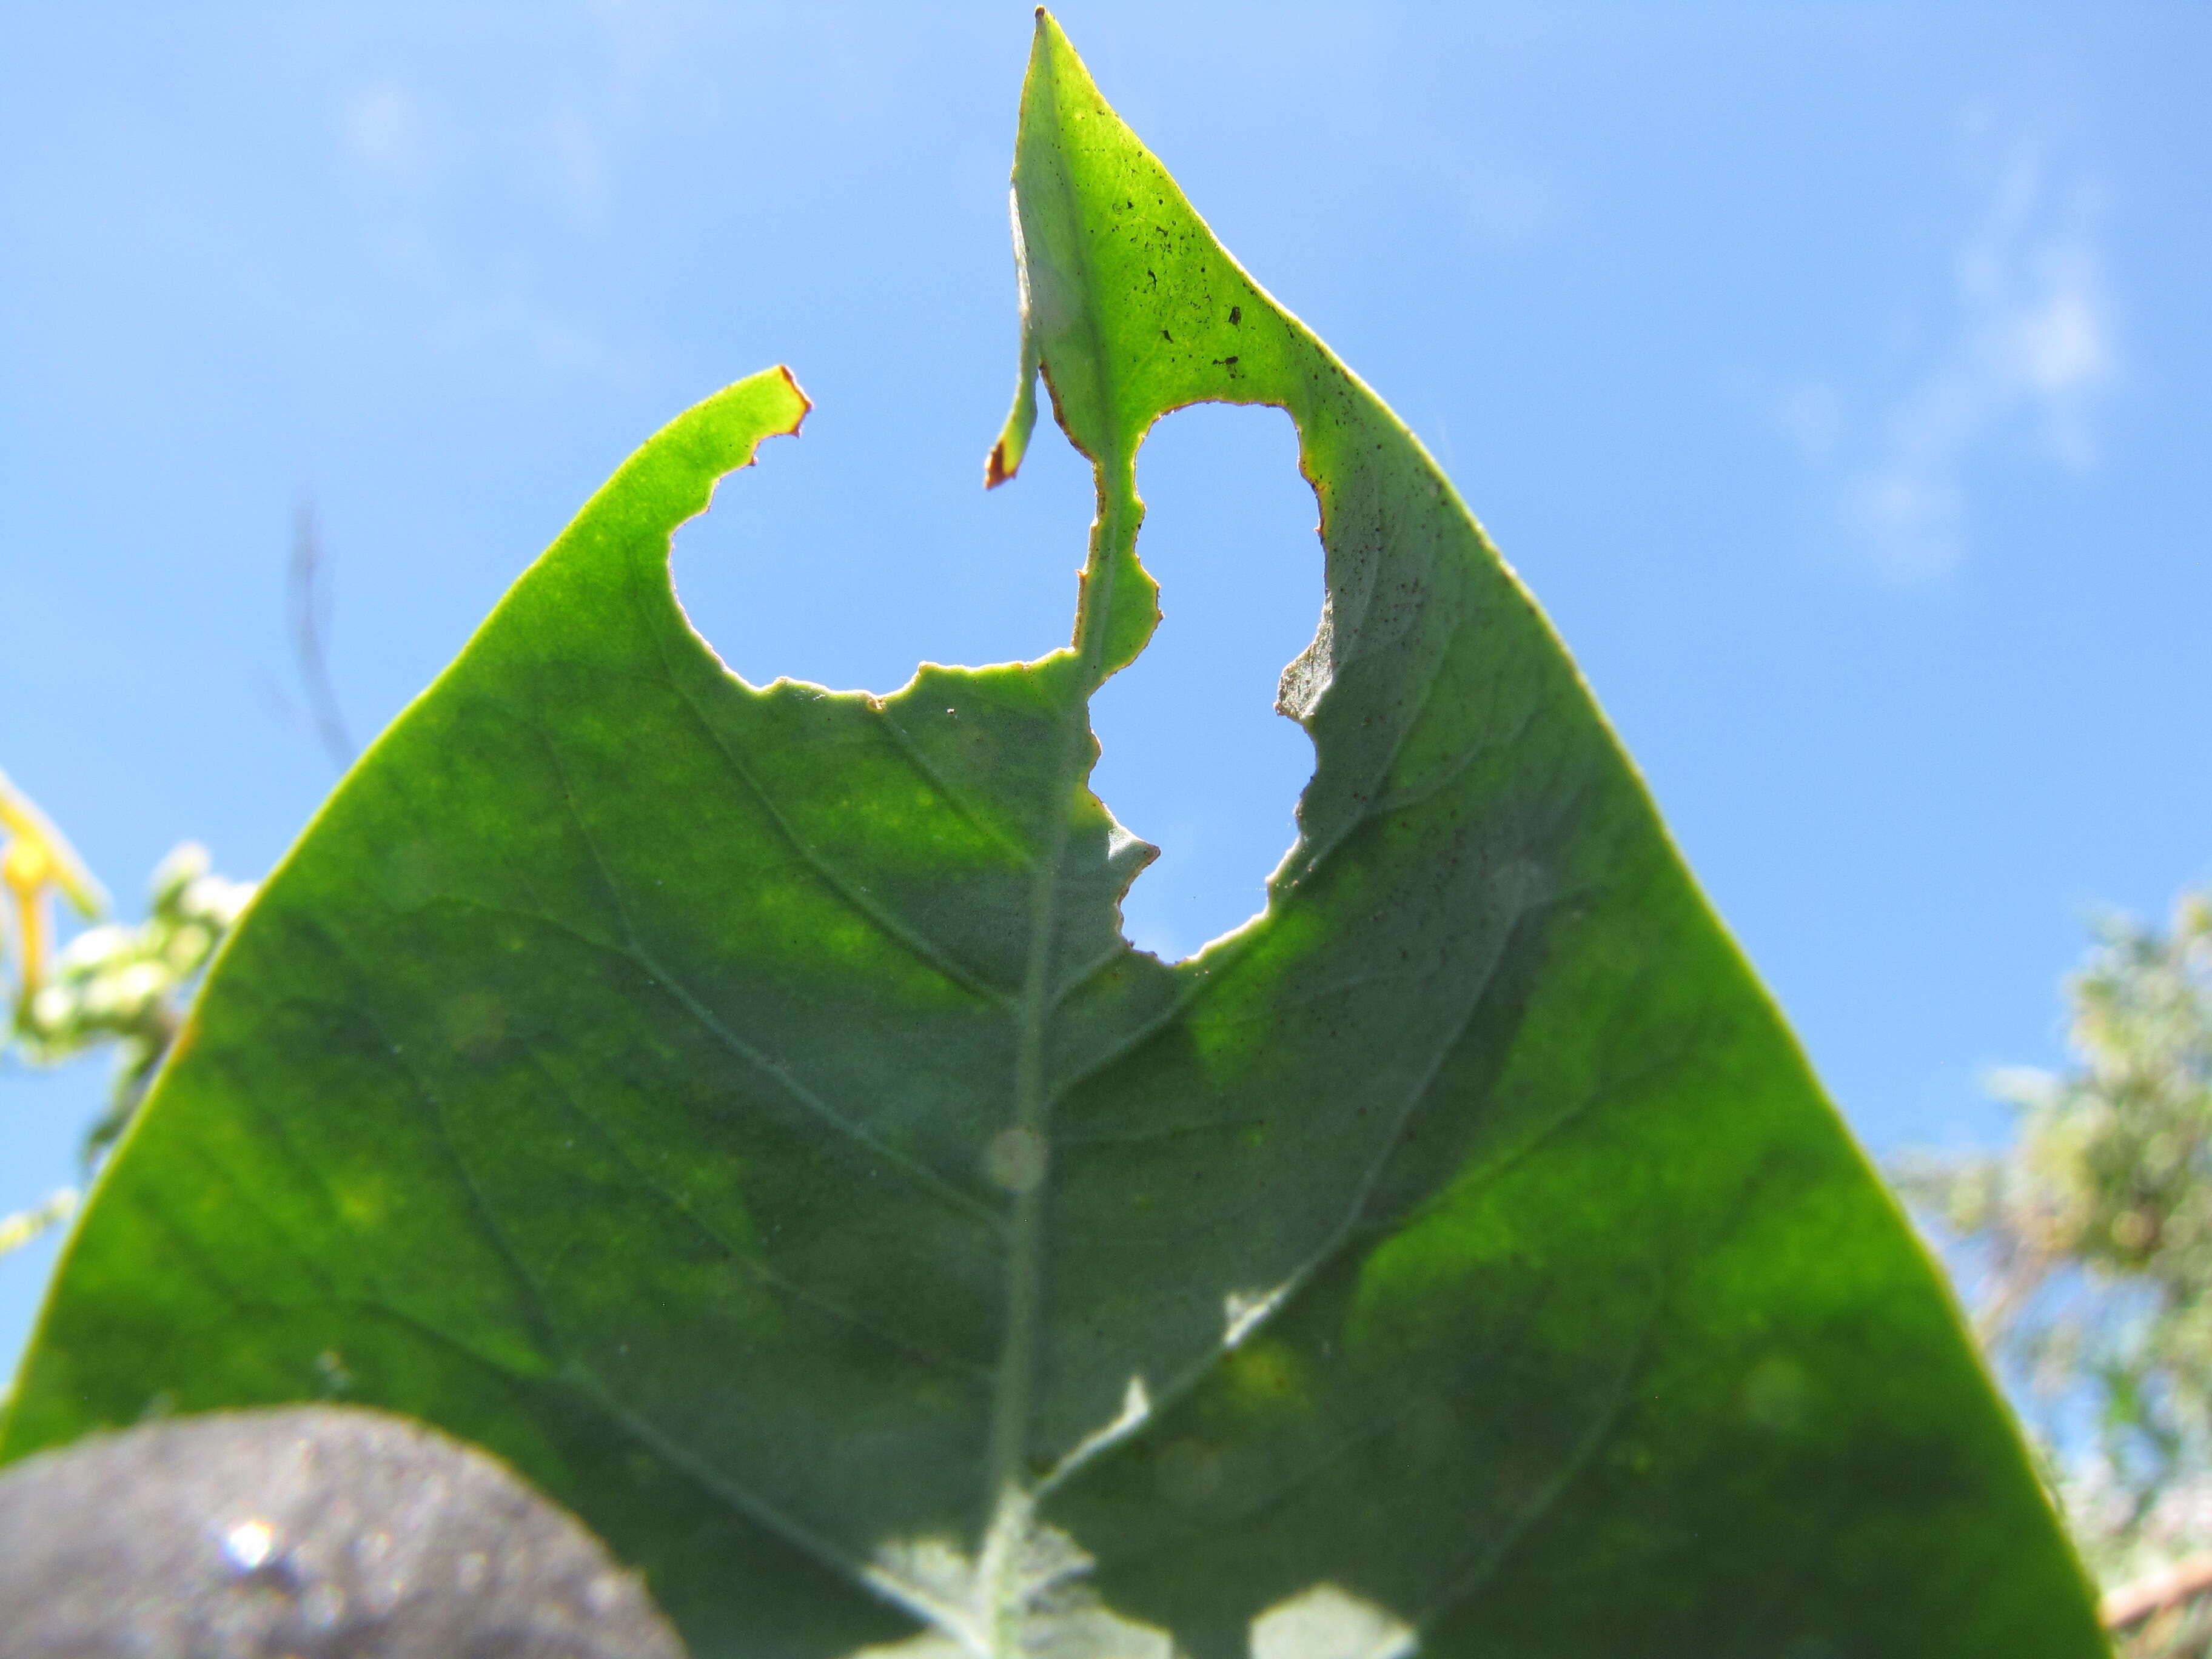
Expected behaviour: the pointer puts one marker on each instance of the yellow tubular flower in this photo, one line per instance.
(34, 859)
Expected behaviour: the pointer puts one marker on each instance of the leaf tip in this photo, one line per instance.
(806, 403)
(1005, 457)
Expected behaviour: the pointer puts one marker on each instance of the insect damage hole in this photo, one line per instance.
(1193, 757)
(861, 547)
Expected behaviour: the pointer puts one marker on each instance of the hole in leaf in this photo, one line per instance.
(1194, 757)
(866, 544)
(1326, 1622)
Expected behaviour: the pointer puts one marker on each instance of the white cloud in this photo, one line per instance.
(2021, 361)
(580, 166)
(642, 37)
(386, 132)
(510, 320)
(429, 170)
(1508, 207)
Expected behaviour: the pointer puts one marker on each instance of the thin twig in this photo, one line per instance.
(309, 622)
(2130, 1604)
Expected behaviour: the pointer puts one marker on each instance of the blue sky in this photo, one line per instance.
(1839, 376)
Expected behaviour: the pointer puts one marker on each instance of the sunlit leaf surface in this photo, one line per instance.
(738, 1107)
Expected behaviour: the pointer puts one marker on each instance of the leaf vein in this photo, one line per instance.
(856, 898)
(752, 1263)
(662, 979)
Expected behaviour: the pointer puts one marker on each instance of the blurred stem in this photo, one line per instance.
(310, 625)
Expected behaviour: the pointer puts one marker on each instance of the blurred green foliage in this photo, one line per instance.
(2089, 1240)
(113, 987)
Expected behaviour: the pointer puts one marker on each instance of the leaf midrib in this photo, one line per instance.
(1113, 533)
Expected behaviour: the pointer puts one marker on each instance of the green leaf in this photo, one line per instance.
(737, 1107)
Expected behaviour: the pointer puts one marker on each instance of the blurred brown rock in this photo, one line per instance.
(320, 1532)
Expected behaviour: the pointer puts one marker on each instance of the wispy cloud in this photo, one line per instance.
(386, 133)
(428, 167)
(1505, 206)
(2023, 355)
(579, 165)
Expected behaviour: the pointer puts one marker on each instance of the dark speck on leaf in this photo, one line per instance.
(1235, 316)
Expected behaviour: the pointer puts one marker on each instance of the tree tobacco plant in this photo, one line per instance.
(737, 1108)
